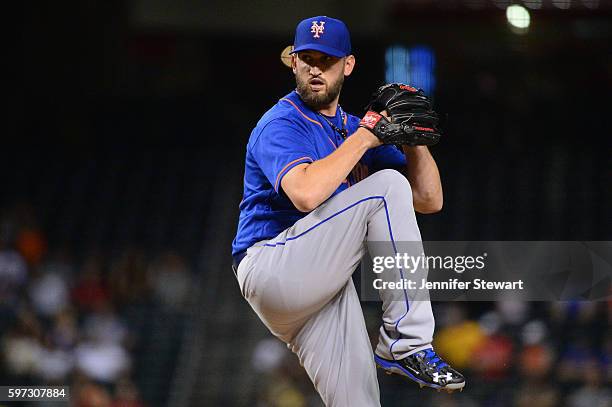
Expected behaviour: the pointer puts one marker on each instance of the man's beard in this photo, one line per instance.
(318, 100)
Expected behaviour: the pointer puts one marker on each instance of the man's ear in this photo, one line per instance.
(294, 63)
(349, 65)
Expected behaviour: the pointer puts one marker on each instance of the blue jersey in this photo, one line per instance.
(289, 134)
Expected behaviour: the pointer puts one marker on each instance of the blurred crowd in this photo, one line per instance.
(70, 317)
(69, 320)
(522, 354)
(63, 317)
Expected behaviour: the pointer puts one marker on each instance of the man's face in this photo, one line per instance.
(319, 77)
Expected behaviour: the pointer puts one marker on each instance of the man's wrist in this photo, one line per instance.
(366, 138)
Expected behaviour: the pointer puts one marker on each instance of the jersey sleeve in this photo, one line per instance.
(281, 146)
(388, 156)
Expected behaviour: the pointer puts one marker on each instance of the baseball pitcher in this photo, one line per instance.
(319, 184)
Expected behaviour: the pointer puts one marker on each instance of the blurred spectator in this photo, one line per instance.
(102, 361)
(170, 280)
(59, 262)
(103, 325)
(127, 395)
(49, 293)
(54, 364)
(536, 361)
(21, 353)
(128, 277)
(459, 338)
(283, 382)
(91, 288)
(494, 358)
(533, 332)
(101, 356)
(13, 274)
(285, 394)
(537, 395)
(32, 245)
(65, 333)
(268, 355)
(490, 322)
(592, 393)
(570, 311)
(91, 395)
(574, 360)
(512, 312)
(21, 346)
(535, 365)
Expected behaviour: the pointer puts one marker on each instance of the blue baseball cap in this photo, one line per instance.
(324, 34)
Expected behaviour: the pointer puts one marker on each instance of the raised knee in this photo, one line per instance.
(393, 179)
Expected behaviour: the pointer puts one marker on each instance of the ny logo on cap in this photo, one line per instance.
(317, 29)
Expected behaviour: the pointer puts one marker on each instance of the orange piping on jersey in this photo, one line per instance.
(285, 167)
(346, 181)
(302, 113)
(332, 143)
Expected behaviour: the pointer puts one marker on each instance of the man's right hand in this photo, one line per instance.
(368, 136)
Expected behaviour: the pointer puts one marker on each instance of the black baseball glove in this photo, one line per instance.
(413, 122)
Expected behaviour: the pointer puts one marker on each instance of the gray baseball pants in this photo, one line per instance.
(299, 284)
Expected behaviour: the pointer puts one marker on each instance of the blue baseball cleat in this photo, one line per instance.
(426, 368)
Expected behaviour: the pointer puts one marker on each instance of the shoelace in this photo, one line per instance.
(432, 357)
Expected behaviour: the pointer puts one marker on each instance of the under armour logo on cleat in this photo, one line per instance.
(448, 377)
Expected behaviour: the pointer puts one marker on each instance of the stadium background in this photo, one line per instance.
(121, 168)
